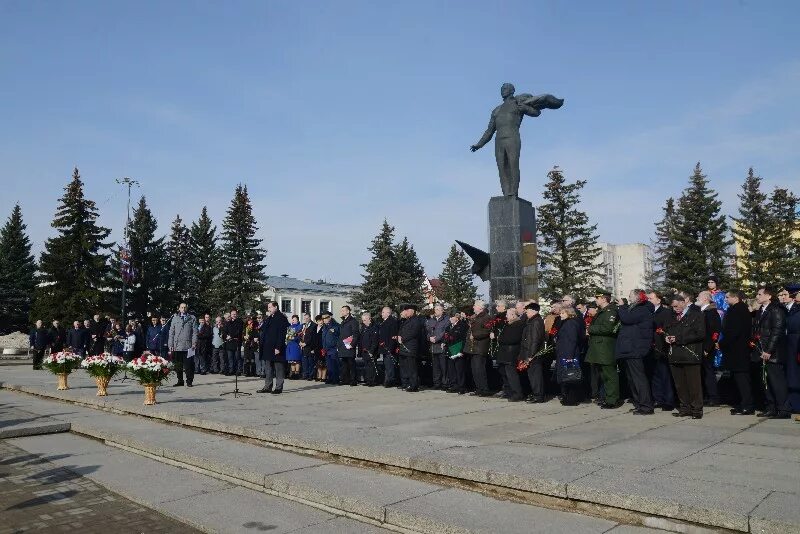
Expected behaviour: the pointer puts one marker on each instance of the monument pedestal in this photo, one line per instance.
(512, 248)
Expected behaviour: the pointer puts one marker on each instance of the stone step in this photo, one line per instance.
(368, 495)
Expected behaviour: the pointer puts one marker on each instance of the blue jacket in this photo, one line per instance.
(635, 336)
(154, 338)
(330, 337)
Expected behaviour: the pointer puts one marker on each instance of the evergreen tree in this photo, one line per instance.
(380, 287)
(178, 248)
(783, 241)
(146, 291)
(73, 266)
(17, 273)
(568, 248)
(204, 264)
(750, 231)
(411, 274)
(701, 242)
(663, 273)
(457, 287)
(242, 280)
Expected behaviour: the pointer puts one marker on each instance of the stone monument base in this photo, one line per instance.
(512, 248)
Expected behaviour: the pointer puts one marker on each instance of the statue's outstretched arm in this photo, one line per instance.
(487, 135)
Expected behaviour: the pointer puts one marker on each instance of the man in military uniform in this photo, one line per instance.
(602, 340)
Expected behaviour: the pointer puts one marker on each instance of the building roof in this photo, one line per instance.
(287, 283)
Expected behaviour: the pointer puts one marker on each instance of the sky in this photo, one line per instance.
(337, 115)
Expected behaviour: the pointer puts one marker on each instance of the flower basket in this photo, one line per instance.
(150, 370)
(103, 367)
(62, 364)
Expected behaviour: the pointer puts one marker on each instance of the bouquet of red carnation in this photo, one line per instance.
(660, 331)
(755, 341)
(715, 337)
(553, 332)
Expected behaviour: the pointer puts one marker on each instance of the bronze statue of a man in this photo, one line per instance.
(505, 121)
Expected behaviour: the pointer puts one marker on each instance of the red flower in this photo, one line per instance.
(660, 331)
(553, 331)
(715, 337)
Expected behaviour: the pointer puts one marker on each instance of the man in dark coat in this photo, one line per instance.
(348, 346)
(663, 394)
(97, 333)
(508, 349)
(58, 337)
(76, 338)
(713, 324)
(409, 336)
(477, 346)
(533, 339)
(39, 341)
(454, 337)
(600, 354)
(368, 348)
(735, 344)
(685, 335)
(309, 344)
(387, 345)
(793, 345)
(154, 336)
(233, 335)
(272, 345)
(435, 327)
(634, 342)
(772, 336)
(204, 334)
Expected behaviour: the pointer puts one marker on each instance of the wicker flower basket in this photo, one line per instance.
(62, 381)
(149, 394)
(102, 385)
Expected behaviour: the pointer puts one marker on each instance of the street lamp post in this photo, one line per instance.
(128, 182)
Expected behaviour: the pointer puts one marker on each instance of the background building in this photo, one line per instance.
(297, 296)
(625, 267)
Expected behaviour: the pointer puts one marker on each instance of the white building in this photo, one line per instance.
(295, 297)
(626, 267)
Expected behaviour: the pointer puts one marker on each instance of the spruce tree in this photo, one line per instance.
(701, 241)
(17, 273)
(568, 248)
(73, 265)
(178, 277)
(204, 264)
(783, 241)
(242, 280)
(750, 232)
(663, 273)
(410, 272)
(381, 276)
(147, 289)
(457, 287)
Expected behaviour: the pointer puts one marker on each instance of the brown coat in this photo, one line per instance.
(478, 334)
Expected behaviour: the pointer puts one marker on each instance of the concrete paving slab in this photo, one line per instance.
(253, 511)
(690, 500)
(352, 489)
(777, 514)
(340, 525)
(722, 470)
(448, 512)
(741, 452)
(66, 442)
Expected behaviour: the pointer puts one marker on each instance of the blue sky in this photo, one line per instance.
(338, 114)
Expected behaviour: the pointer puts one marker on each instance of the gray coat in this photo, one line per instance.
(182, 332)
(435, 329)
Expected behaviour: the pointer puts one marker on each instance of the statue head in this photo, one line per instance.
(507, 90)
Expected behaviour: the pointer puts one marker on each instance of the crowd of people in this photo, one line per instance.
(664, 352)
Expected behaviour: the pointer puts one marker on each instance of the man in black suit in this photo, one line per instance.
(663, 394)
(713, 324)
(272, 344)
(685, 334)
(410, 338)
(387, 346)
(772, 331)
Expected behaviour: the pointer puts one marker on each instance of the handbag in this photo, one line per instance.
(569, 371)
